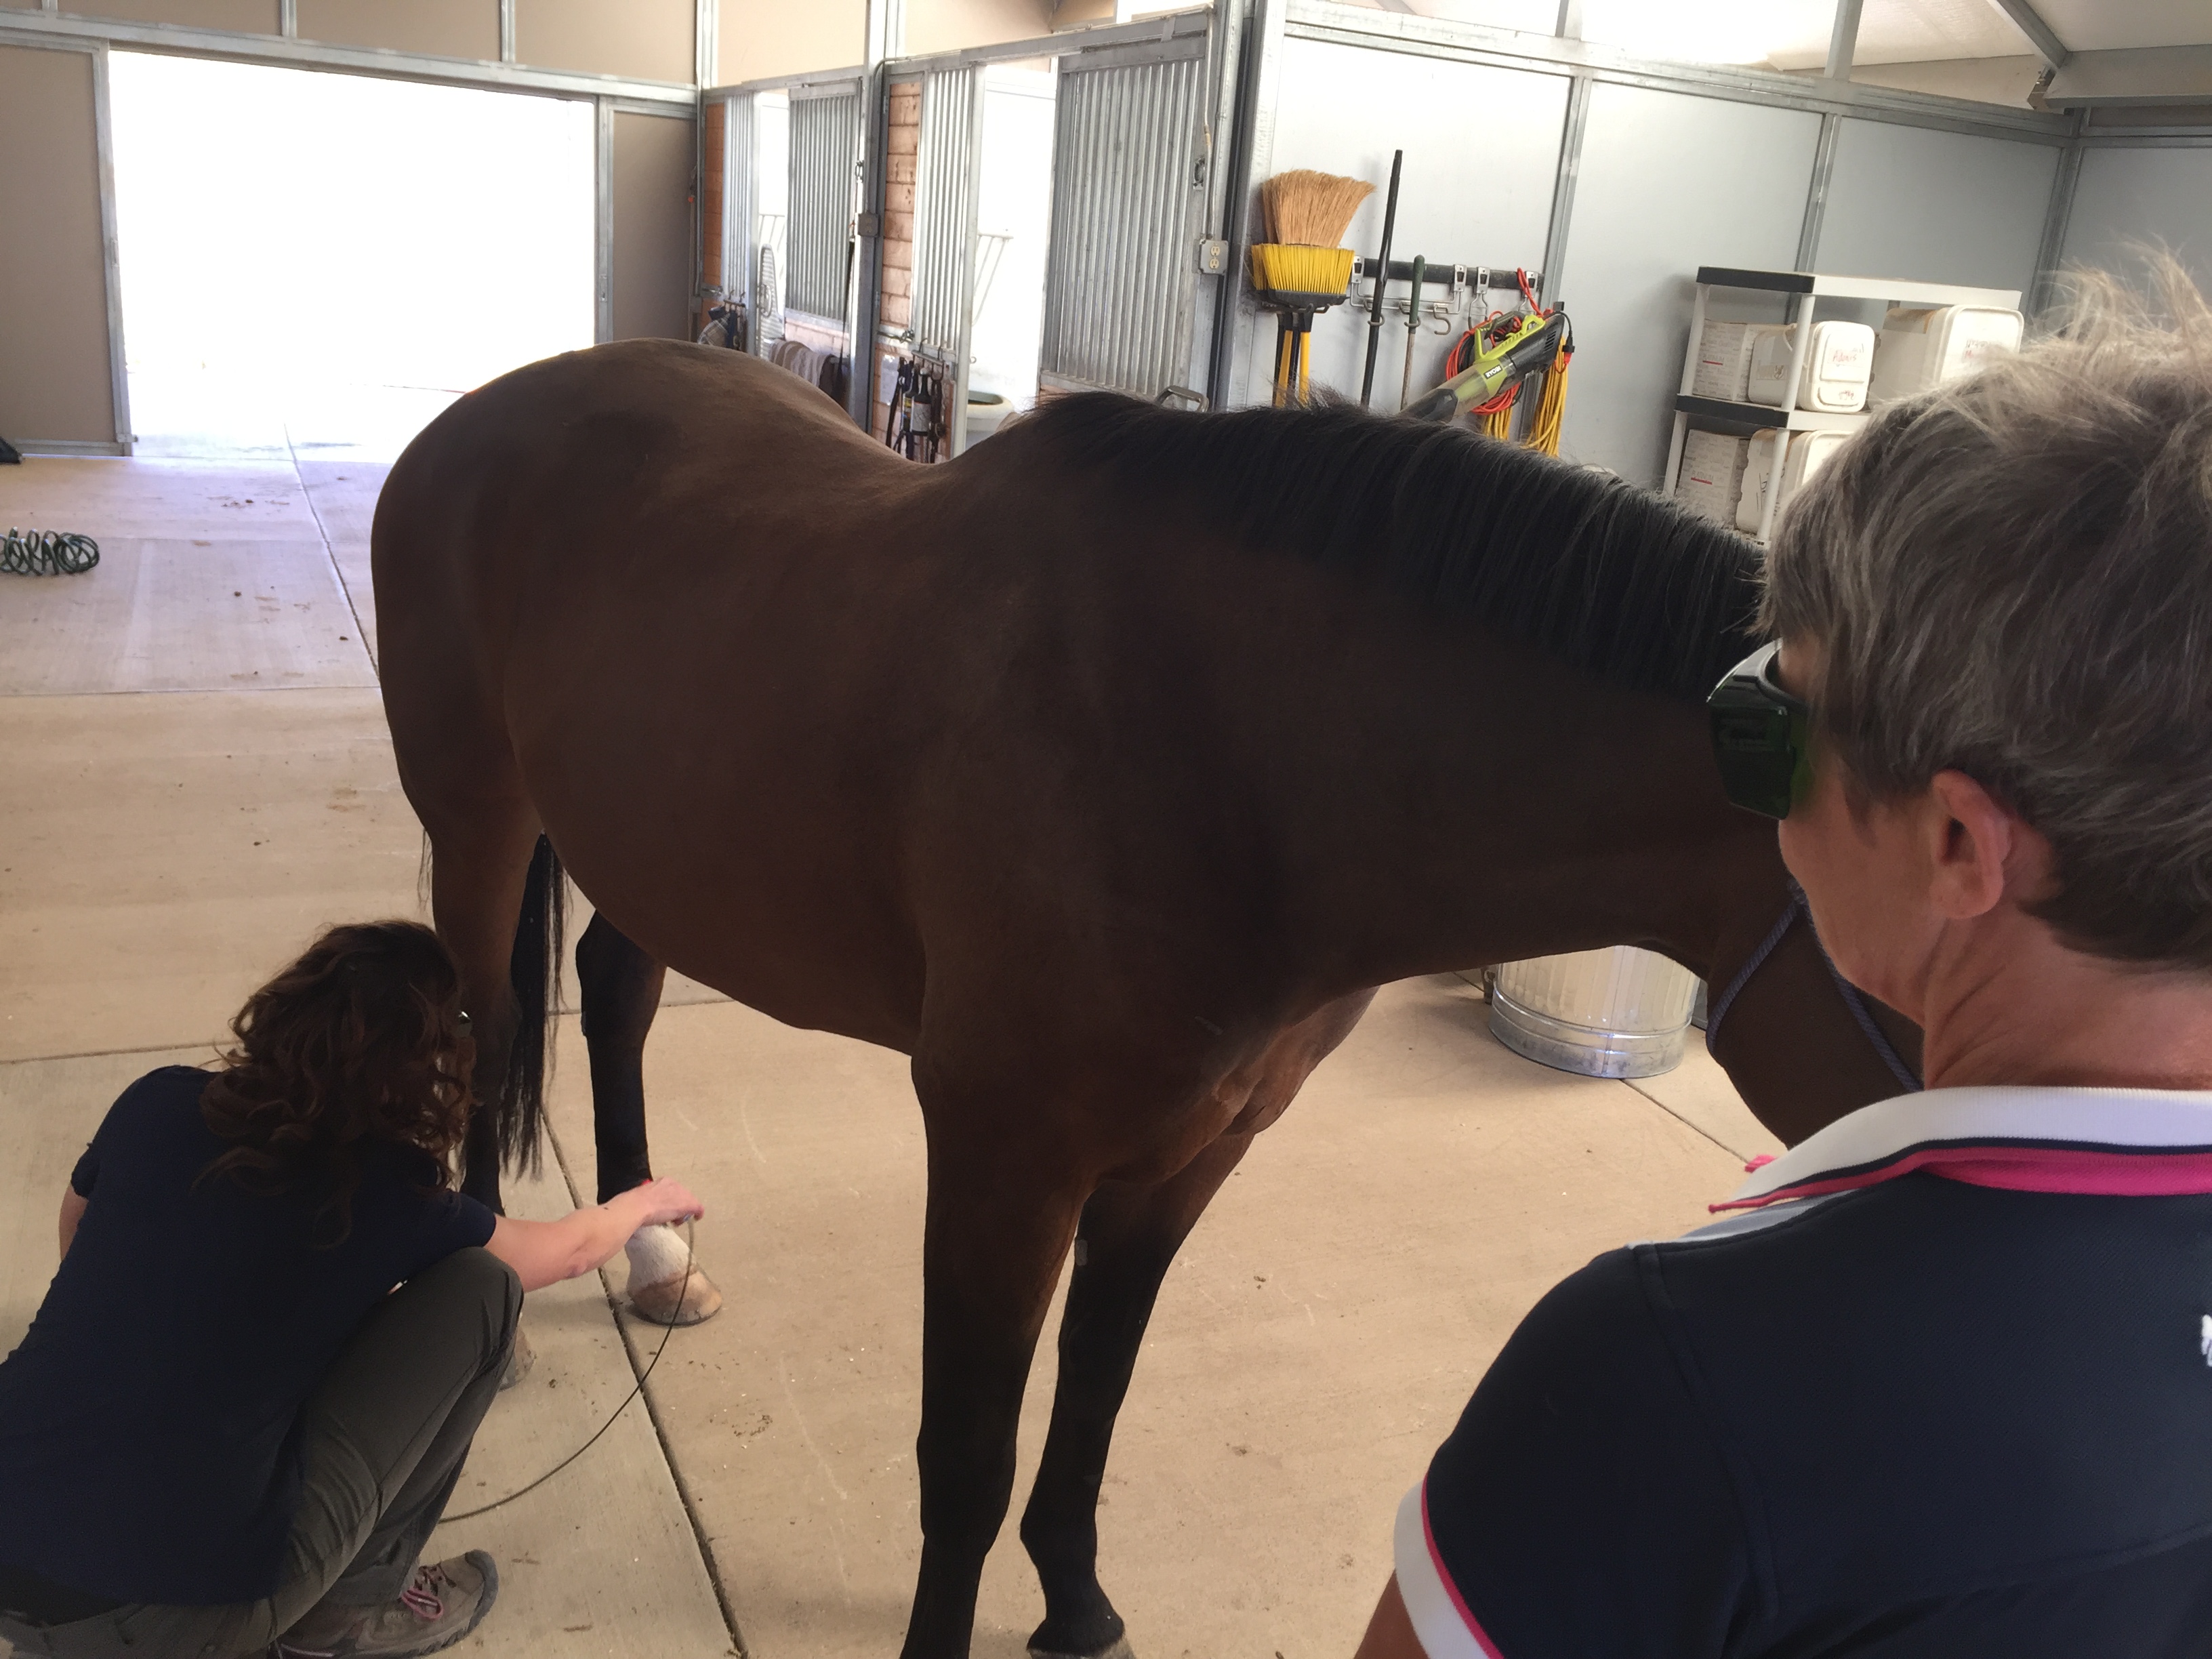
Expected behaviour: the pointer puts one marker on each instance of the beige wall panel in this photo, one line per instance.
(442, 28)
(652, 228)
(755, 38)
(55, 378)
(245, 16)
(949, 25)
(643, 39)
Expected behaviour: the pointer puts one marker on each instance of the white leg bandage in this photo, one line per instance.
(656, 1254)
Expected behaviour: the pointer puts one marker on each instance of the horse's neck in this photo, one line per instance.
(1502, 806)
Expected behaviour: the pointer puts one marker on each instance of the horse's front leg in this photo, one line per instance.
(621, 986)
(1129, 1237)
(1002, 1213)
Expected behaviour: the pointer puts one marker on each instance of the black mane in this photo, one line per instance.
(1610, 577)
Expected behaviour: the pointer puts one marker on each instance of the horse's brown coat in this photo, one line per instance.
(1110, 821)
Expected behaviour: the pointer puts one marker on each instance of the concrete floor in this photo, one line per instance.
(198, 778)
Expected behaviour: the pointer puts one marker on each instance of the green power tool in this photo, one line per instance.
(1530, 349)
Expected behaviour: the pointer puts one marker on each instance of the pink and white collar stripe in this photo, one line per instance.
(2142, 1143)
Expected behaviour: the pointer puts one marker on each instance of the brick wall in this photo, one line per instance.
(901, 152)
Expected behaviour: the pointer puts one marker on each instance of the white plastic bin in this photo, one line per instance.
(1837, 365)
(1616, 1013)
(1921, 347)
(1808, 452)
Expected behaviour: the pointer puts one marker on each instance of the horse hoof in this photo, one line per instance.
(683, 1300)
(666, 1284)
(1119, 1648)
(519, 1359)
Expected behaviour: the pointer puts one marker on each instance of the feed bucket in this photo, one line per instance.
(1616, 1013)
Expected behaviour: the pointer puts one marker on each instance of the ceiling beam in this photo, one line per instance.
(2029, 21)
(1843, 41)
(2136, 75)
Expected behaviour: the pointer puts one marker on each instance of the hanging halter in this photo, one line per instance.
(1854, 999)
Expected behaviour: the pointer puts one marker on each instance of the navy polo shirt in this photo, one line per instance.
(1942, 1389)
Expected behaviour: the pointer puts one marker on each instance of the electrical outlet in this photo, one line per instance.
(1212, 255)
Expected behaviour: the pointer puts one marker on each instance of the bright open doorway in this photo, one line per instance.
(319, 263)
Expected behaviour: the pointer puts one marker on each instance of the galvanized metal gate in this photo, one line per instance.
(1129, 198)
(825, 140)
(948, 183)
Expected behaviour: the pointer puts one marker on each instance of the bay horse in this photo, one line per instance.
(1104, 771)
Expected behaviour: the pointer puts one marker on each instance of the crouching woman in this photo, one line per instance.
(227, 1432)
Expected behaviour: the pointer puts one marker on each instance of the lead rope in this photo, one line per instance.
(689, 1239)
(1854, 999)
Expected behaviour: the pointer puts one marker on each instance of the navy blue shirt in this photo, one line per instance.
(149, 1449)
(1904, 1413)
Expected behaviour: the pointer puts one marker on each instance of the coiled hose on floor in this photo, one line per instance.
(46, 553)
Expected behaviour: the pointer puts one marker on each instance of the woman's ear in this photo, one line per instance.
(1979, 850)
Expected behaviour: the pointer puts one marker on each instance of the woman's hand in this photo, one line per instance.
(665, 1202)
(544, 1253)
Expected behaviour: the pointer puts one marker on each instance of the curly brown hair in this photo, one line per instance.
(362, 1039)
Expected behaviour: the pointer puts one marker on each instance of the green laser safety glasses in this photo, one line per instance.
(1762, 737)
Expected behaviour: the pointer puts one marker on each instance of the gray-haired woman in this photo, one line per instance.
(1942, 1385)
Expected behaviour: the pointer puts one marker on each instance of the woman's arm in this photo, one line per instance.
(73, 1208)
(544, 1253)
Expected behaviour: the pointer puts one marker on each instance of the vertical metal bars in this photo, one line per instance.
(825, 141)
(1126, 190)
(737, 211)
(603, 233)
(944, 209)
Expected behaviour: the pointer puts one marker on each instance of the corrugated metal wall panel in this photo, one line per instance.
(1120, 280)
(824, 132)
(945, 203)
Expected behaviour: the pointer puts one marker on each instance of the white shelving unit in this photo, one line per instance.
(1803, 288)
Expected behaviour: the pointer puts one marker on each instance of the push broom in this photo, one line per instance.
(1303, 270)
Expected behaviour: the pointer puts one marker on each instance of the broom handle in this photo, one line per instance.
(1381, 278)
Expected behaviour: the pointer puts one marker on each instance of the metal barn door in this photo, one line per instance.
(1128, 188)
(948, 182)
(825, 137)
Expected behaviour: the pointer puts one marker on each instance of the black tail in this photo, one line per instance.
(534, 969)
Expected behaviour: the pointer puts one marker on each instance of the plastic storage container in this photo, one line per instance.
(1808, 452)
(1711, 478)
(1921, 347)
(1837, 365)
(1615, 1012)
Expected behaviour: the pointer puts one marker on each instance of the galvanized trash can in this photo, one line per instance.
(1616, 1013)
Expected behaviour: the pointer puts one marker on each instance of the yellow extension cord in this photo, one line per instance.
(1551, 410)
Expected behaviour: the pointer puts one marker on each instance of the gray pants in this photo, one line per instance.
(385, 1438)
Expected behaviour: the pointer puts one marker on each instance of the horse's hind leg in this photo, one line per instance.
(1129, 1237)
(621, 986)
(479, 874)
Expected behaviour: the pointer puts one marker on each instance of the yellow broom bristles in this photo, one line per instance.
(1300, 269)
(1311, 209)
